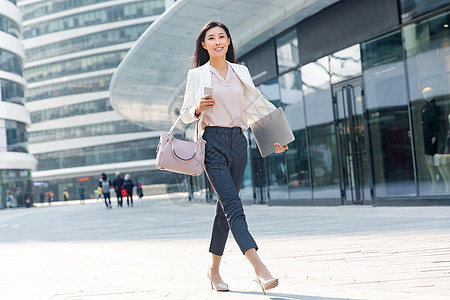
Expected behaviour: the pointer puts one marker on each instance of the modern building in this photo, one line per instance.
(15, 161)
(365, 86)
(72, 50)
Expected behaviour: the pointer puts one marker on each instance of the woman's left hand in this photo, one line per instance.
(280, 149)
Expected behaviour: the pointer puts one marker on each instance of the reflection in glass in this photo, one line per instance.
(246, 191)
(321, 130)
(386, 101)
(345, 64)
(414, 8)
(18, 182)
(9, 26)
(297, 157)
(16, 136)
(12, 92)
(287, 51)
(427, 46)
(10, 62)
(259, 173)
(276, 163)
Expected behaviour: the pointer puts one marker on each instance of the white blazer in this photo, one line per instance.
(255, 105)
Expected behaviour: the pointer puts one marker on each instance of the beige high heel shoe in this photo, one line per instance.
(220, 287)
(267, 285)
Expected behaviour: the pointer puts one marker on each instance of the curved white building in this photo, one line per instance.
(15, 162)
(72, 50)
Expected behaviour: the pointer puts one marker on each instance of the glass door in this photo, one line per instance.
(348, 105)
(259, 171)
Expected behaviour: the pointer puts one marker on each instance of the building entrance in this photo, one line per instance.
(351, 129)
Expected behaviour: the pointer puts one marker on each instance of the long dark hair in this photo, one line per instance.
(201, 55)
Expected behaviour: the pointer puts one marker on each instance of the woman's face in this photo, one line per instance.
(216, 42)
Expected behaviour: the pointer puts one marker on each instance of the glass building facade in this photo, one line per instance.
(365, 86)
(15, 161)
(371, 117)
(72, 50)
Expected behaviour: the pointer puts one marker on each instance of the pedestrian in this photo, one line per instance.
(41, 197)
(105, 184)
(99, 192)
(28, 200)
(184, 185)
(237, 104)
(118, 186)
(9, 200)
(139, 191)
(191, 188)
(65, 195)
(128, 185)
(81, 193)
(49, 197)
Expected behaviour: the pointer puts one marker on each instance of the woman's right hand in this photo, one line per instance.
(206, 102)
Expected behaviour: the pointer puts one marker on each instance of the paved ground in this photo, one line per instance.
(158, 250)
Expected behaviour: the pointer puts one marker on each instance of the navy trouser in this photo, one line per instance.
(225, 162)
(107, 196)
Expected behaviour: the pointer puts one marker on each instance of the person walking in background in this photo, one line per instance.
(237, 104)
(65, 195)
(184, 185)
(128, 185)
(28, 200)
(81, 192)
(99, 192)
(118, 186)
(41, 197)
(191, 188)
(49, 197)
(138, 186)
(9, 200)
(105, 184)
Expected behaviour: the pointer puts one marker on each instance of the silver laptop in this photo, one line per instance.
(272, 128)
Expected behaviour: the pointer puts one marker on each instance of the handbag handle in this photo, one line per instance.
(184, 159)
(197, 132)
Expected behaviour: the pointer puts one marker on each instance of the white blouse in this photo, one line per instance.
(229, 93)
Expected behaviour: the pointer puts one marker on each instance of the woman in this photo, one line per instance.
(237, 104)
(105, 184)
(128, 185)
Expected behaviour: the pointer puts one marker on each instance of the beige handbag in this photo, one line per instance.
(180, 156)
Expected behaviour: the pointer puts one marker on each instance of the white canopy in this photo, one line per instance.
(145, 86)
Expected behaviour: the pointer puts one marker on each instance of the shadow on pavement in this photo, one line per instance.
(280, 296)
